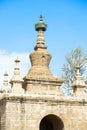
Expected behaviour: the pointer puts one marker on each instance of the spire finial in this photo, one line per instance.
(40, 27)
(41, 18)
(78, 75)
(17, 61)
(17, 69)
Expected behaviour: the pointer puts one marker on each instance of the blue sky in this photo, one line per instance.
(67, 28)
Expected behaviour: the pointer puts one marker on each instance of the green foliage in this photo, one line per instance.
(74, 58)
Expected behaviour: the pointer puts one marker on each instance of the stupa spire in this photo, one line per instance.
(40, 27)
(78, 84)
(17, 80)
(5, 88)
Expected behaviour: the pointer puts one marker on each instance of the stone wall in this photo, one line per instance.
(27, 112)
(3, 114)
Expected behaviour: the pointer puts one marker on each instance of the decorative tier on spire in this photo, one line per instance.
(5, 82)
(78, 84)
(40, 58)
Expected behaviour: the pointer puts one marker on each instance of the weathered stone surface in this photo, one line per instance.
(26, 112)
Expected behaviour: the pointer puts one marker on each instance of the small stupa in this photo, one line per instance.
(78, 84)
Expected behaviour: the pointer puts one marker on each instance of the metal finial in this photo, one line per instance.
(40, 25)
(41, 18)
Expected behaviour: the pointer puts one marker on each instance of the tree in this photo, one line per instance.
(74, 58)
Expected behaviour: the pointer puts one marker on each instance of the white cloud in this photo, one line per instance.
(7, 64)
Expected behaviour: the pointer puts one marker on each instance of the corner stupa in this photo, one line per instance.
(78, 84)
